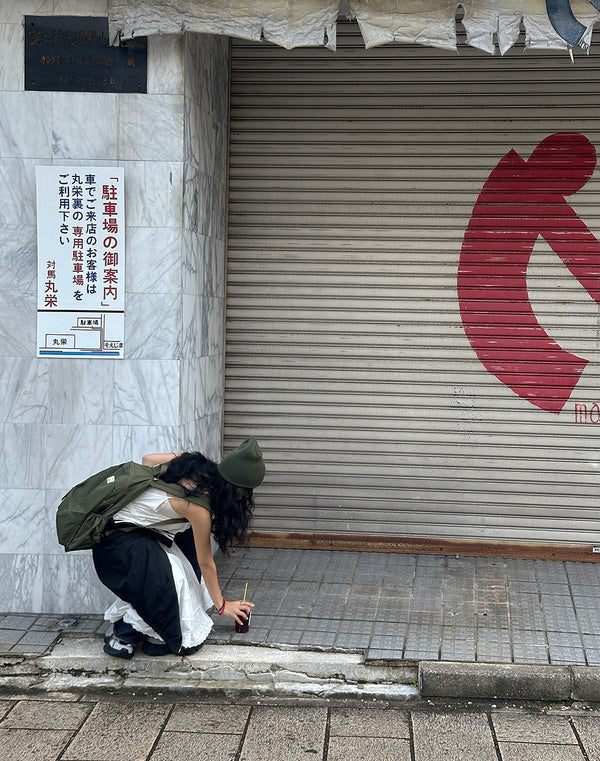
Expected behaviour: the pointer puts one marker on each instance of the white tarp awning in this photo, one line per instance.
(491, 25)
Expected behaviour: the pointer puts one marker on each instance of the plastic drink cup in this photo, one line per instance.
(243, 628)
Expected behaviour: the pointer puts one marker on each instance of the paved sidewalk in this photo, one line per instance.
(388, 606)
(420, 607)
(333, 622)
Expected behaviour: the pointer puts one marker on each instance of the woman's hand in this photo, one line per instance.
(238, 609)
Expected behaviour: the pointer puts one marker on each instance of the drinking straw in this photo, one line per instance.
(245, 590)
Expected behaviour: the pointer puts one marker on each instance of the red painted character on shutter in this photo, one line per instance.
(520, 201)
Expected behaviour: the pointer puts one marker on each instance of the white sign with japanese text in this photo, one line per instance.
(81, 261)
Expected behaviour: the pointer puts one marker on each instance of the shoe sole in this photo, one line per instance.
(117, 653)
(190, 650)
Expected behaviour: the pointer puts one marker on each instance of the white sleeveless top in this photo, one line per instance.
(149, 508)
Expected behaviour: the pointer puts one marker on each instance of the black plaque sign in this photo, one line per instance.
(73, 54)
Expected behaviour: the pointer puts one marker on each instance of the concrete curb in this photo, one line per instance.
(508, 681)
(77, 663)
(80, 663)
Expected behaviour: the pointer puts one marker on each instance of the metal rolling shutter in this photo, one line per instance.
(352, 180)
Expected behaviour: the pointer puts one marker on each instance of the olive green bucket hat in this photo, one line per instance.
(244, 465)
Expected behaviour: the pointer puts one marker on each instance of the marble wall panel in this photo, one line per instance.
(191, 64)
(209, 56)
(69, 453)
(18, 258)
(131, 442)
(165, 68)
(205, 175)
(192, 389)
(193, 138)
(61, 161)
(80, 391)
(18, 325)
(11, 71)
(23, 581)
(204, 435)
(190, 126)
(214, 265)
(201, 387)
(17, 190)
(146, 392)
(57, 390)
(79, 8)
(212, 368)
(192, 212)
(21, 452)
(150, 127)
(211, 203)
(25, 397)
(217, 211)
(70, 585)
(210, 147)
(153, 193)
(154, 259)
(25, 124)
(218, 57)
(222, 151)
(192, 266)
(213, 329)
(12, 11)
(27, 524)
(50, 436)
(152, 326)
(84, 126)
(211, 428)
(191, 318)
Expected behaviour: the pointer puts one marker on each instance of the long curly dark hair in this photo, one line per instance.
(230, 520)
(231, 506)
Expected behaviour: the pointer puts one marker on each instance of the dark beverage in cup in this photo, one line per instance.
(243, 628)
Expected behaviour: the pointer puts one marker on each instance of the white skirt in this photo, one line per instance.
(193, 599)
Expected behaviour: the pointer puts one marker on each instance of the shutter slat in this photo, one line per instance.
(352, 180)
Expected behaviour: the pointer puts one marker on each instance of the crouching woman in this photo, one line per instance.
(158, 559)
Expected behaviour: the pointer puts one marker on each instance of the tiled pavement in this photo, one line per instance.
(71, 727)
(389, 607)
(35, 634)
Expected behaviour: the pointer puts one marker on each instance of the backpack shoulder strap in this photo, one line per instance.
(176, 490)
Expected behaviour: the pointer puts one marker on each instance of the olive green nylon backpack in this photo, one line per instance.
(85, 510)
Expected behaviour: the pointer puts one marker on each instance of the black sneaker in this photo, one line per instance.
(118, 649)
(190, 650)
(154, 648)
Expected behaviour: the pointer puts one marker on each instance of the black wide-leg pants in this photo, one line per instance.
(134, 566)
